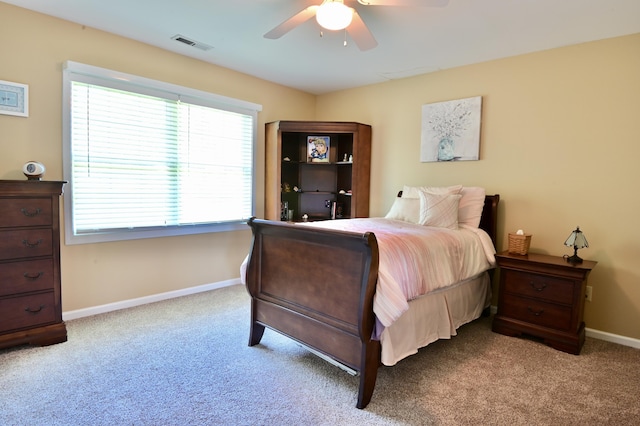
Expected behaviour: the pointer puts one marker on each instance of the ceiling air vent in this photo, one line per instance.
(189, 42)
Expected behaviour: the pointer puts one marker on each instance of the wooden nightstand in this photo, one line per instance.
(542, 296)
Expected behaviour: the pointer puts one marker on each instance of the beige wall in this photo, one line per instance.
(560, 143)
(560, 136)
(33, 48)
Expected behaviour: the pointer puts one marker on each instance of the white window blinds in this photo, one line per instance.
(147, 159)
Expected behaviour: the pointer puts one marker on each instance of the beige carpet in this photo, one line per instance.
(186, 362)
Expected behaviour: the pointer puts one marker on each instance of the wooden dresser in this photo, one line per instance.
(30, 296)
(542, 296)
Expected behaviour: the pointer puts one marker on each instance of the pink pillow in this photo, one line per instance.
(439, 210)
(413, 191)
(471, 205)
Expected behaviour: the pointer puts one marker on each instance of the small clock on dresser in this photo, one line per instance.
(542, 296)
(33, 170)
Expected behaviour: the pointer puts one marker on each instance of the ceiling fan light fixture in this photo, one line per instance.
(334, 15)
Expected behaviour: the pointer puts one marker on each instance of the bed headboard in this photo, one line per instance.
(489, 218)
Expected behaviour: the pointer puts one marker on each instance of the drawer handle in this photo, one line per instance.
(32, 311)
(32, 277)
(533, 284)
(536, 313)
(32, 245)
(28, 213)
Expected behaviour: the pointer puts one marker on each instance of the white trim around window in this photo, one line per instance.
(145, 158)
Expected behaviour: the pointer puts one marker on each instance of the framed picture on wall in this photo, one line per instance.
(451, 130)
(14, 99)
(318, 149)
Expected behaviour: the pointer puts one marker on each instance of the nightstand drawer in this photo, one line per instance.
(542, 296)
(537, 312)
(26, 243)
(27, 311)
(23, 277)
(539, 286)
(25, 212)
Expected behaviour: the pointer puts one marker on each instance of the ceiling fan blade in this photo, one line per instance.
(297, 19)
(430, 3)
(360, 33)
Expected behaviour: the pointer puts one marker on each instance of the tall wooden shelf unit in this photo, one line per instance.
(319, 184)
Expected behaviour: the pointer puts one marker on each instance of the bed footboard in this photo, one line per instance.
(316, 286)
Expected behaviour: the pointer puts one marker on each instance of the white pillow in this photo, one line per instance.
(413, 191)
(407, 209)
(471, 205)
(439, 210)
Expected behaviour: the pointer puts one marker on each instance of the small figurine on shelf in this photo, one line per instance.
(345, 157)
(351, 158)
(286, 187)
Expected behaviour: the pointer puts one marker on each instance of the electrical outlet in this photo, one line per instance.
(588, 293)
(327, 203)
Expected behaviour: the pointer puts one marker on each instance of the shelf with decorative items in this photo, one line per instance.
(317, 170)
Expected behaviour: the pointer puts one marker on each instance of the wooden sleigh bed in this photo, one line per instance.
(317, 287)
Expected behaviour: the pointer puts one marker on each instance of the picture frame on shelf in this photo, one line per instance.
(14, 98)
(318, 149)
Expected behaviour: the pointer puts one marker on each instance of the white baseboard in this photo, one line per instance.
(95, 310)
(614, 338)
(601, 335)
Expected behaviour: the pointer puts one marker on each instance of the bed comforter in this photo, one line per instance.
(415, 259)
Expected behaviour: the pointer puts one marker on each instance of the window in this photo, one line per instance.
(147, 159)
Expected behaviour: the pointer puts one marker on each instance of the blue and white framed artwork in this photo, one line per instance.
(451, 130)
(14, 98)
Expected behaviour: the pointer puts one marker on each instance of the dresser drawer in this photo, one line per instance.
(539, 286)
(22, 277)
(537, 312)
(27, 311)
(26, 243)
(25, 212)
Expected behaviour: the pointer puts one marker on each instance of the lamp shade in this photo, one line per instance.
(577, 239)
(334, 15)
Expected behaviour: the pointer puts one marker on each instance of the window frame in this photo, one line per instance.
(74, 71)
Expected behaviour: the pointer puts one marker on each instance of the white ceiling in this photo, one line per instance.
(411, 40)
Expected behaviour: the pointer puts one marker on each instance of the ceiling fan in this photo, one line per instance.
(340, 15)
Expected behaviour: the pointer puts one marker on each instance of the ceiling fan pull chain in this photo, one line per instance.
(345, 36)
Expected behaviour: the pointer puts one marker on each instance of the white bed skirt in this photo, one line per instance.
(435, 316)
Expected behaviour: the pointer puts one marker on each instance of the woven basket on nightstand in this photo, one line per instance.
(519, 244)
